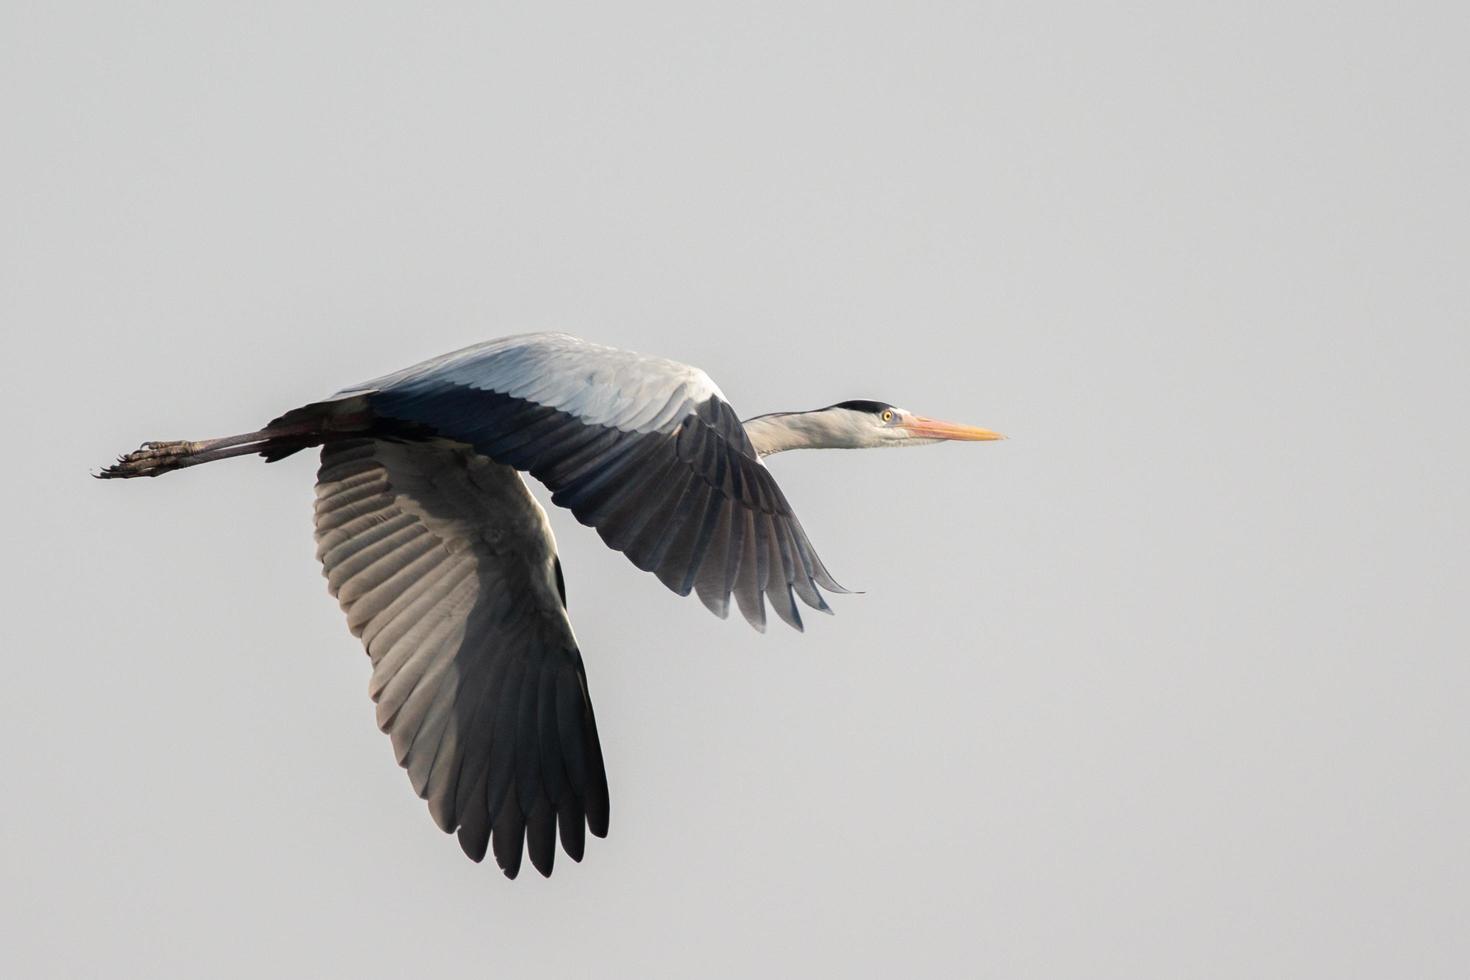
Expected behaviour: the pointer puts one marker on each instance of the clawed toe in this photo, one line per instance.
(148, 459)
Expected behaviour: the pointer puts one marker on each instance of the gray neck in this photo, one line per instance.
(822, 429)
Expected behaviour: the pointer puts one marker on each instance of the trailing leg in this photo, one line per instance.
(157, 458)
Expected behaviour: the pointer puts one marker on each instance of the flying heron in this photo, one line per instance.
(447, 570)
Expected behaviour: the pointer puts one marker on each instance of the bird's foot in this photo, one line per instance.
(150, 459)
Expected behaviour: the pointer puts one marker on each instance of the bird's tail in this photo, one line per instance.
(301, 428)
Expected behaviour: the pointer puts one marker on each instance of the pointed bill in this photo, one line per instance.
(936, 429)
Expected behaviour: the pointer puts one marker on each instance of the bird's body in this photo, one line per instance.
(446, 566)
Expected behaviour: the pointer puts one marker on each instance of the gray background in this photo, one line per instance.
(1171, 684)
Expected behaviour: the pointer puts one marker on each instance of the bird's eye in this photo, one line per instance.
(888, 415)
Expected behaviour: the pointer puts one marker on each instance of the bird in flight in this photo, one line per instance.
(447, 569)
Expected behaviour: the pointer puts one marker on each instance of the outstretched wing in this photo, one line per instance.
(643, 449)
(447, 570)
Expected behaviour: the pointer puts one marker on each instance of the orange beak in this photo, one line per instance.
(935, 429)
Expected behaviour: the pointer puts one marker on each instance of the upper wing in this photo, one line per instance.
(643, 449)
(447, 570)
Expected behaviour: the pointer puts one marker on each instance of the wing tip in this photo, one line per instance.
(717, 604)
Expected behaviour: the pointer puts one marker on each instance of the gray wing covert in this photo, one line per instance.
(643, 449)
(446, 569)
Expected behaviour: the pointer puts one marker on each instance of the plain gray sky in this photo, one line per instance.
(1174, 683)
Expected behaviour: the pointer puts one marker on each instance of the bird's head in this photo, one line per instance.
(857, 424)
(872, 424)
